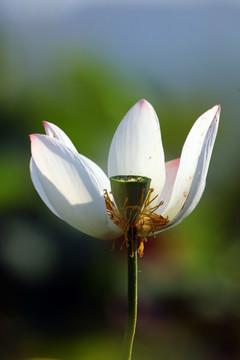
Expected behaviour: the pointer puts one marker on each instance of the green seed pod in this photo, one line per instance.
(130, 193)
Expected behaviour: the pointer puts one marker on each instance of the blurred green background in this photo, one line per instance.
(82, 65)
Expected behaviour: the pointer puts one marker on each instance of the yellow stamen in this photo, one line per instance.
(141, 248)
(147, 221)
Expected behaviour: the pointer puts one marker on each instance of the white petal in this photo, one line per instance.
(171, 172)
(193, 167)
(72, 187)
(55, 132)
(38, 186)
(136, 147)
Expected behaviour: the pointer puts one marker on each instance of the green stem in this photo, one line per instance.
(132, 296)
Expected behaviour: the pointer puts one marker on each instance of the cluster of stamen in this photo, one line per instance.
(147, 220)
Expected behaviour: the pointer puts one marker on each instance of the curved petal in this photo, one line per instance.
(73, 188)
(171, 173)
(54, 131)
(193, 167)
(38, 186)
(136, 148)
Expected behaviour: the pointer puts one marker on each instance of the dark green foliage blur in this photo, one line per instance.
(63, 294)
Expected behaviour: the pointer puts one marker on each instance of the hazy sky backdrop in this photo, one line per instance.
(30, 9)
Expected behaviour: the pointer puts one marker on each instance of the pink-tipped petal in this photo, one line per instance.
(73, 188)
(55, 132)
(136, 148)
(193, 167)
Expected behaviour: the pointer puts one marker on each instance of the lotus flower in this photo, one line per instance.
(77, 190)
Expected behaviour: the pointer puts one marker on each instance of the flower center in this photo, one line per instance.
(133, 212)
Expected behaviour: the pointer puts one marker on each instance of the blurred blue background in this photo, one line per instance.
(82, 65)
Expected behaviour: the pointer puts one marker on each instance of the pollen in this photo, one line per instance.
(146, 224)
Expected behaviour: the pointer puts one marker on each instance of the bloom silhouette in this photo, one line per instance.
(78, 191)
